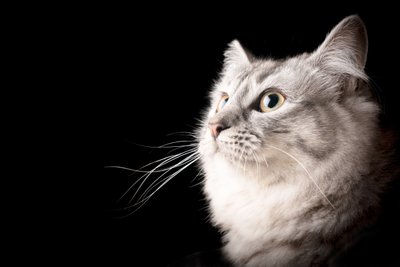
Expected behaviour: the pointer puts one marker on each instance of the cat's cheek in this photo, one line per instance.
(207, 148)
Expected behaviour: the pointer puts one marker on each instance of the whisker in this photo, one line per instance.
(154, 175)
(120, 167)
(305, 169)
(199, 183)
(168, 178)
(245, 162)
(170, 156)
(266, 163)
(156, 169)
(240, 157)
(146, 176)
(257, 164)
(158, 179)
(182, 133)
(167, 145)
(181, 147)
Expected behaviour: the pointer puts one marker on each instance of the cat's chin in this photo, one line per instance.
(240, 162)
(243, 164)
(207, 149)
(211, 150)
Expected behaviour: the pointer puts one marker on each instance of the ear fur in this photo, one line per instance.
(345, 48)
(236, 56)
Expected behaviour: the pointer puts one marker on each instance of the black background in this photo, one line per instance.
(154, 67)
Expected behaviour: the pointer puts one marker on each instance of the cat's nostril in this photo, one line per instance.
(216, 129)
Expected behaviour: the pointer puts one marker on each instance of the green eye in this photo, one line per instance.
(271, 101)
(222, 102)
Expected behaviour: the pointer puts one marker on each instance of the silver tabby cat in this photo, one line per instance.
(292, 152)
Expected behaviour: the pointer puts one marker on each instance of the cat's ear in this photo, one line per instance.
(236, 56)
(345, 48)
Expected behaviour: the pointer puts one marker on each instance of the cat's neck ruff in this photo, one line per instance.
(235, 190)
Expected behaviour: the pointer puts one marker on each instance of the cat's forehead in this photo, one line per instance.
(250, 82)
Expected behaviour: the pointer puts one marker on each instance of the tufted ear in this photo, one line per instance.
(345, 48)
(236, 56)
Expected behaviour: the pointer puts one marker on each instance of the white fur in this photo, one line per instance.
(259, 201)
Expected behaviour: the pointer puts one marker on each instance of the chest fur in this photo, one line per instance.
(243, 203)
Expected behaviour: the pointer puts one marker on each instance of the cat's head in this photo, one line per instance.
(314, 106)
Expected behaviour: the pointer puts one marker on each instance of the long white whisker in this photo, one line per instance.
(168, 178)
(144, 200)
(305, 169)
(120, 167)
(245, 164)
(168, 158)
(146, 174)
(135, 170)
(257, 164)
(190, 134)
(158, 179)
(240, 157)
(167, 145)
(159, 165)
(266, 163)
(198, 174)
(194, 147)
(172, 144)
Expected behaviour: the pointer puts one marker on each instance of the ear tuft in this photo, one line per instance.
(236, 56)
(345, 48)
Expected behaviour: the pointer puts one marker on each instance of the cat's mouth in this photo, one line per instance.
(238, 148)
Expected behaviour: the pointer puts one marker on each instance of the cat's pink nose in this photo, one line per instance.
(216, 129)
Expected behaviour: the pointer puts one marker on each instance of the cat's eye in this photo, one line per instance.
(271, 101)
(222, 102)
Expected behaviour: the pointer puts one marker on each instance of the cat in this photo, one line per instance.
(295, 160)
(293, 155)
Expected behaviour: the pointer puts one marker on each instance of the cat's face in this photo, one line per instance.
(263, 110)
(267, 104)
